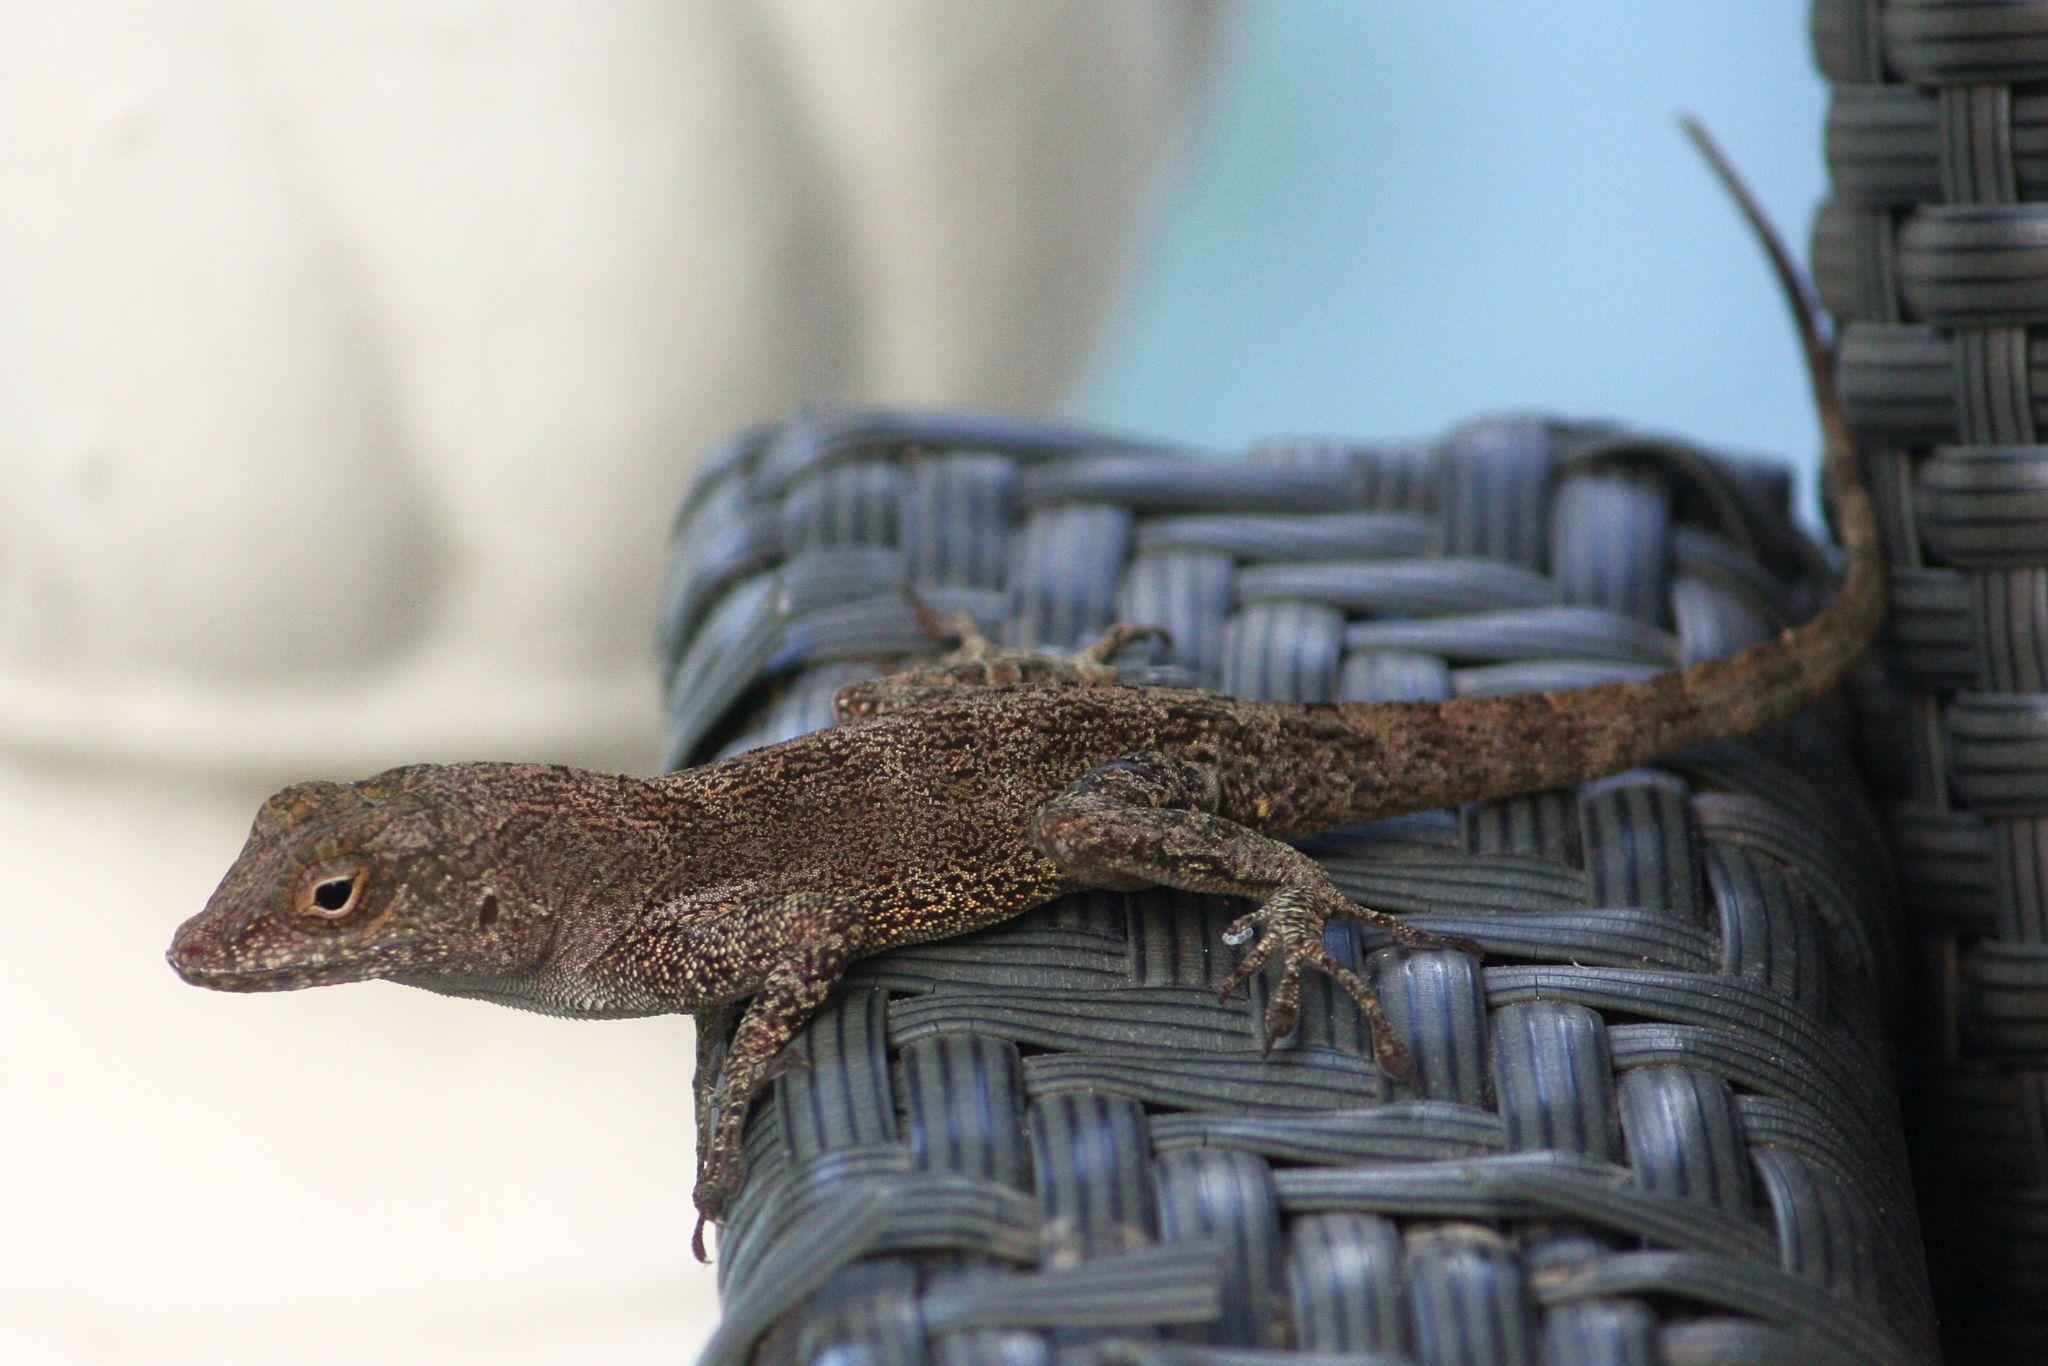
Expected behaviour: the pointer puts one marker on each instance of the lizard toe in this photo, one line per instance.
(1254, 960)
(1392, 1054)
(1388, 1050)
(1409, 937)
(1283, 1010)
(1406, 935)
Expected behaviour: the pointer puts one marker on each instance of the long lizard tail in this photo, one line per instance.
(1465, 749)
(1828, 646)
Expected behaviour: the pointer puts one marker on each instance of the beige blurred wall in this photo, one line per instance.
(351, 360)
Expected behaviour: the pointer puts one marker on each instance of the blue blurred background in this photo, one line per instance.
(1403, 215)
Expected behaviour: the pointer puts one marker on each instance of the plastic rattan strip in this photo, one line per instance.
(1933, 255)
(1655, 1124)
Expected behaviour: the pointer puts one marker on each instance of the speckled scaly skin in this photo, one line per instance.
(946, 800)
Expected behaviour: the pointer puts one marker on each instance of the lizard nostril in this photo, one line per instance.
(188, 952)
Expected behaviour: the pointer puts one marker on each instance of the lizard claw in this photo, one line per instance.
(704, 1221)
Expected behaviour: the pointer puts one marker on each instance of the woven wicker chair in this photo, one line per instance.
(1656, 1125)
(1931, 255)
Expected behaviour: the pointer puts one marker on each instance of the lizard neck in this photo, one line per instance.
(571, 863)
(647, 876)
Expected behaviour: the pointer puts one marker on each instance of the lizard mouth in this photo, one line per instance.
(284, 978)
(189, 958)
(227, 979)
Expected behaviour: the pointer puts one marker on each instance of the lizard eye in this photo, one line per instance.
(332, 891)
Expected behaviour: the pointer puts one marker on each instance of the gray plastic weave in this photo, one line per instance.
(1656, 1125)
(1933, 256)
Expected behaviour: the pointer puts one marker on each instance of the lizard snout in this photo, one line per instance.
(209, 950)
(194, 954)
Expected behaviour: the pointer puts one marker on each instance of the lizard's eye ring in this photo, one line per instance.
(333, 891)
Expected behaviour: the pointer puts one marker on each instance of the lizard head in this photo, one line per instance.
(376, 879)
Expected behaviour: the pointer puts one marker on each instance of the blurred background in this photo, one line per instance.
(352, 358)
(1398, 216)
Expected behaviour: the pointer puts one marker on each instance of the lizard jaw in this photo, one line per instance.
(195, 957)
(289, 977)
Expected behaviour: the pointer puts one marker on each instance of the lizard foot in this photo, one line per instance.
(1112, 641)
(1290, 924)
(970, 646)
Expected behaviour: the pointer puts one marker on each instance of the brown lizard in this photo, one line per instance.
(947, 800)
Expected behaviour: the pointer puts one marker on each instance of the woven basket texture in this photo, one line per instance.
(1657, 1124)
(1932, 253)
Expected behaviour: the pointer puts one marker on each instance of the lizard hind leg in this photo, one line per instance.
(970, 646)
(1150, 820)
(978, 662)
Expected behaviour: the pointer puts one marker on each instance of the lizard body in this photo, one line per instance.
(948, 799)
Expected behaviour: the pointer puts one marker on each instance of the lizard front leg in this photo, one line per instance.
(1150, 820)
(822, 935)
(714, 1023)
